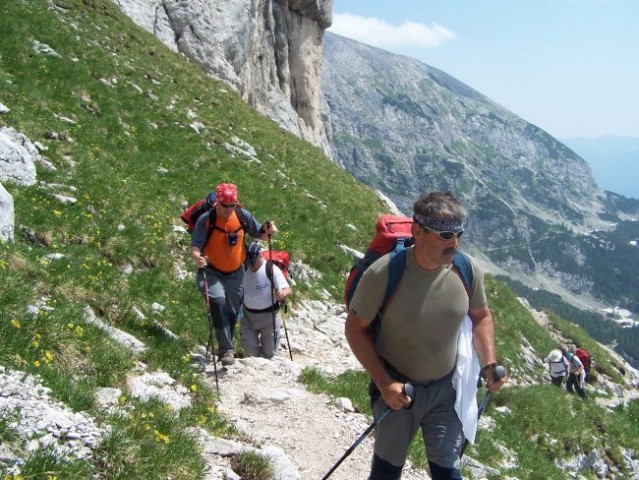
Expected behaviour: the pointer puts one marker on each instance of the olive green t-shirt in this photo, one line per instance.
(419, 329)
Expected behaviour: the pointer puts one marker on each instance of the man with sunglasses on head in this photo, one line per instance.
(219, 251)
(417, 342)
(264, 288)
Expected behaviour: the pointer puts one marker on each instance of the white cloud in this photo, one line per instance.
(378, 33)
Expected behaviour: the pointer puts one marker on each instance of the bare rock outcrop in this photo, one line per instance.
(269, 51)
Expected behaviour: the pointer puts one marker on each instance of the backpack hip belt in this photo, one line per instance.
(273, 308)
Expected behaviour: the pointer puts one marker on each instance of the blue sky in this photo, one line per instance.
(571, 67)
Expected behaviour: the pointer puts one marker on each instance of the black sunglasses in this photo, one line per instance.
(228, 205)
(446, 235)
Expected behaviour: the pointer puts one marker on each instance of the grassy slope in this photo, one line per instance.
(109, 160)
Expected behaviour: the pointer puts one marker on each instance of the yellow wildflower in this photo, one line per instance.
(160, 437)
(48, 357)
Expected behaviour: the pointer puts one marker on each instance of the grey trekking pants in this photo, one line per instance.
(256, 333)
(434, 412)
(226, 292)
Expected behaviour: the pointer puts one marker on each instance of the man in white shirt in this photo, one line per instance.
(557, 366)
(264, 288)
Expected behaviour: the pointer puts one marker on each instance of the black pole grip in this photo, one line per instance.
(409, 391)
(499, 372)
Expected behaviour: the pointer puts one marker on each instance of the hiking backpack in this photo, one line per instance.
(195, 211)
(199, 208)
(393, 235)
(279, 258)
(585, 357)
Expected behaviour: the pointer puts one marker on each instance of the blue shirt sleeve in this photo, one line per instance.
(253, 227)
(198, 237)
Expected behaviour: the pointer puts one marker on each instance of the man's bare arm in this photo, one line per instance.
(361, 343)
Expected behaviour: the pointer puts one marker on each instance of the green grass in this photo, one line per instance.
(46, 465)
(7, 431)
(252, 466)
(152, 443)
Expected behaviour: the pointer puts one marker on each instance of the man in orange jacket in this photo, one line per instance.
(219, 251)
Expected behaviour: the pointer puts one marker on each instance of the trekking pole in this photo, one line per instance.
(270, 259)
(409, 391)
(288, 344)
(210, 345)
(498, 373)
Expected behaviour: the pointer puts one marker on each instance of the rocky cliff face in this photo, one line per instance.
(269, 51)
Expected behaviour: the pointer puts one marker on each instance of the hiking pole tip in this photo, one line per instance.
(408, 391)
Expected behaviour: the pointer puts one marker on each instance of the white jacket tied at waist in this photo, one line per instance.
(465, 380)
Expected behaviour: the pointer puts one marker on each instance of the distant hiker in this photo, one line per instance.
(417, 342)
(576, 375)
(587, 360)
(218, 249)
(260, 326)
(557, 366)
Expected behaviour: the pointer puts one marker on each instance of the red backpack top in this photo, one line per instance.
(279, 258)
(585, 357)
(392, 233)
(195, 211)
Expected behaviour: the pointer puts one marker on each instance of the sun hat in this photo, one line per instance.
(555, 355)
(226, 193)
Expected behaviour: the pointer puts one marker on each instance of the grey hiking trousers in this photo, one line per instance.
(256, 333)
(434, 412)
(226, 292)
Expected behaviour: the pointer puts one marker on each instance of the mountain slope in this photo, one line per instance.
(457, 139)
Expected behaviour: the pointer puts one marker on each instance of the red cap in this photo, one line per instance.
(226, 193)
